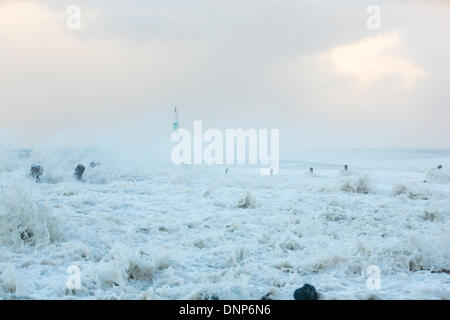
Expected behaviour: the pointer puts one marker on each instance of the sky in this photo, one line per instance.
(312, 69)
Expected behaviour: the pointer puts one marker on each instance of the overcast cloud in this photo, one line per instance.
(310, 68)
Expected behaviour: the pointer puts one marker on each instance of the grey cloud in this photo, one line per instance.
(240, 63)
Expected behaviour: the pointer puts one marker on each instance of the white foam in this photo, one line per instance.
(178, 232)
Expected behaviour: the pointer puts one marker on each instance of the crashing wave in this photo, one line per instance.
(24, 221)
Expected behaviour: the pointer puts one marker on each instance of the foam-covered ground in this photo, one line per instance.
(192, 232)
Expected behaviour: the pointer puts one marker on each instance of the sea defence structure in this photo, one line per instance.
(36, 172)
(175, 119)
(79, 170)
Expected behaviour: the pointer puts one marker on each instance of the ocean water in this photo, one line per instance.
(137, 231)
